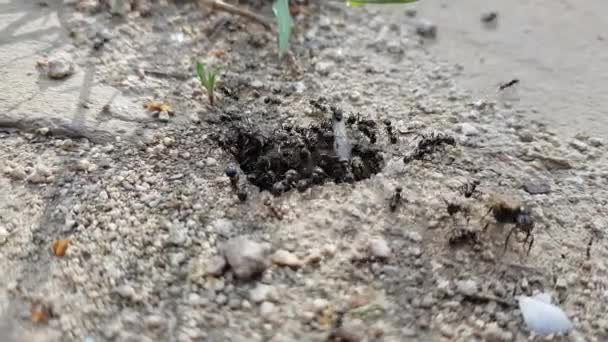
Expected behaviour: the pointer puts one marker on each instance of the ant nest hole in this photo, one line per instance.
(300, 157)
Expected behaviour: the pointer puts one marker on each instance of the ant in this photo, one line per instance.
(462, 237)
(469, 189)
(455, 208)
(508, 211)
(508, 84)
(396, 199)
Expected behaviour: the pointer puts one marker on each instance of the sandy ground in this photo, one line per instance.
(162, 249)
(556, 49)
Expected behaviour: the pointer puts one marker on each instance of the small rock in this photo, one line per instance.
(525, 136)
(221, 299)
(261, 293)
(493, 333)
(414, 237)
(43, 131)
(427, 301)
(85, 165)
(468, 129)
(163, 116)
(246, 258)
(467, 287)
(154, 321)
(537, 187)
(125, 291)
(215, 266)
(256, 84)
(16, 172)
(354, 96)
(596, 142)
(379, 248)
(60, 67)
(120, 7)
(426, 29)
(285, 258)
(267, 309)
(320, 304)
(561, 284)
(579, 145)
(411, 12)
(324, 67)
(446, 330)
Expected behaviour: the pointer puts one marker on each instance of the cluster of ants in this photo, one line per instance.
(504, 210)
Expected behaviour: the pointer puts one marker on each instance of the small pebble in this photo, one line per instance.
(537, 187)
(467, 287)
(285, 258)
(426, 29)
(267, 309)
(247, 258)
(379, 248)
(60, 67)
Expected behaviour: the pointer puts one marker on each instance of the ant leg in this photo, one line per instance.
(507, 239)
(485, 227)
(488, 213)
(589, 248)
(531, 242)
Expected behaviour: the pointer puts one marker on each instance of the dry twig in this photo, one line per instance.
(222, 6)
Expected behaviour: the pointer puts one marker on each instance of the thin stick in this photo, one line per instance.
(222, 6)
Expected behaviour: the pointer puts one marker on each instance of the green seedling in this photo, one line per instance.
(208, 80)
(285, 22)
(377, 2)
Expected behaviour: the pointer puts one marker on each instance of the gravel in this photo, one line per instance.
(60, 67)
(246, 258)
(152, 218)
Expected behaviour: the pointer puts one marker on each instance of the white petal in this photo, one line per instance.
(543, 318)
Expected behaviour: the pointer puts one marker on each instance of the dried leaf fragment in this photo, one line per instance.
(40, 313)
(218, 53)
(154, 106)
(60, 247)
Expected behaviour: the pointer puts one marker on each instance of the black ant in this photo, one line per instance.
(396, 199)
(469, 189)
(508, 84)
(512, 212)
(463, 236)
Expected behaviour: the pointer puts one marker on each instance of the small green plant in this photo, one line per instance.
(285, 22)
(208, 80)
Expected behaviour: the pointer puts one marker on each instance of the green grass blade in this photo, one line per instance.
(200, 71)
(355, 3)
(284, 23)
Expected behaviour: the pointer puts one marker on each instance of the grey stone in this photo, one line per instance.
(324, 67)
(467, 287)
(247, 258)
(261, 292)
(267, 309)
(468, 129)
(60, 67)
(379, 248)
(537, 187)
(215, 266)
(163, 116)
(426, 29)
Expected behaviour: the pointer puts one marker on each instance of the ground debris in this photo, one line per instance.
(429, 143)
(300, 157)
